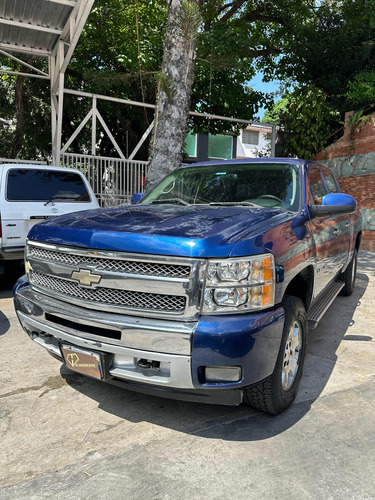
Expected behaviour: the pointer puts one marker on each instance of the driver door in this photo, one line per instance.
(326, 232)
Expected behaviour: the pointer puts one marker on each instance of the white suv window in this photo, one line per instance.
(26, 184)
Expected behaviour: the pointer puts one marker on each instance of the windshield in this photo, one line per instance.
(273, 185)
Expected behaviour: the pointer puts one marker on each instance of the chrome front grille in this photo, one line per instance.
(126, 283)
(125, 298)
(143, 268)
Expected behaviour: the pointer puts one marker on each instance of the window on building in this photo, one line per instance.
(191, 145)
(250, 137)
(220, 146)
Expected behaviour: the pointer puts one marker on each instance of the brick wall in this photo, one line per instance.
(362, 187)
(352, 159)
(355, 141)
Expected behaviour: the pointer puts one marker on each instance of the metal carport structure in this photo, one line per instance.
(47, 29)
(50, 29)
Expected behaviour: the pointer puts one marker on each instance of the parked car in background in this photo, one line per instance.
(33, 193)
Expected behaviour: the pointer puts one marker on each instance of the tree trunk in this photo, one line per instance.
(174, 89)
(20, 127)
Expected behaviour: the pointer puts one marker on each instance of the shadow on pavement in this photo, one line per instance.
(237, 423)
(4, 324)
(13, 271)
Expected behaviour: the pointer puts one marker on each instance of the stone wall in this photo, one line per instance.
(352, 159)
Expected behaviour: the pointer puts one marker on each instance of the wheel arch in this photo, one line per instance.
(358, 240)
(302, 286)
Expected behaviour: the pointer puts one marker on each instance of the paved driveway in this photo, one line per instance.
(65, 436)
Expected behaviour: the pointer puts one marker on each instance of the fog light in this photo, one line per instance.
(222, 373)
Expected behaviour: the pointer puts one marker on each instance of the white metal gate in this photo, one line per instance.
(113, 180)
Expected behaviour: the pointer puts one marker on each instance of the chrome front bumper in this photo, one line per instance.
(50, 322)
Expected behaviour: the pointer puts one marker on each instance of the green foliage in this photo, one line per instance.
(358, 118)
(327, 43)
(165, 84)
(37, 139)
(107, 60)
(334, 44)
(277, 113)
(189, 20)
(309, 120)
(333, 49)
(362, 89)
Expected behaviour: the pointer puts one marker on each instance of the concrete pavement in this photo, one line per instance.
(66, 436)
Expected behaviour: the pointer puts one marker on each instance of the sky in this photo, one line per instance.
(257, 84)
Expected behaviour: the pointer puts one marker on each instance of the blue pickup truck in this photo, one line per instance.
(203, 289)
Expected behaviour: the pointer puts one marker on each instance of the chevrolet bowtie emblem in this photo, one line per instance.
(85, 277)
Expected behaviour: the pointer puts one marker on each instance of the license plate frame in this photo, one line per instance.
(88, 363)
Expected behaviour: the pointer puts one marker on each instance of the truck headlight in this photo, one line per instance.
(241, 284)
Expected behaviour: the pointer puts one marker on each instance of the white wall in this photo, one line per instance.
(252, 150)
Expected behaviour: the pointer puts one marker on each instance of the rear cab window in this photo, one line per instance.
(317, 186)
(46, 185)
(330, 181)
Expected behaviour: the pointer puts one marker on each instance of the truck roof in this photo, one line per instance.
(294, 161)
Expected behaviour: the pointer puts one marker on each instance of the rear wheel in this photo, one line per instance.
(349, 275)
(275, 393)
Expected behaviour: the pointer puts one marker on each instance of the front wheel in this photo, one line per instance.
(275, 393)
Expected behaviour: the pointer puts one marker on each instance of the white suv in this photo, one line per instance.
(32, 193)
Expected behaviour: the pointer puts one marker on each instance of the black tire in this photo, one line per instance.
(349, 276)
(273, 395)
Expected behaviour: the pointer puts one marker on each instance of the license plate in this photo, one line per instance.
(85, 362)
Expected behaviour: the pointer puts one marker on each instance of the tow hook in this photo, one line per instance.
(149, 363)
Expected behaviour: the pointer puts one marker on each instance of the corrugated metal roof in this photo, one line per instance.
(43, 22)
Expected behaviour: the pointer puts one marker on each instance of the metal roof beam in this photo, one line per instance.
(23, 63)
(109, 98)
(19, 73)
(152, 106)
(29, 26)
(69, 3)
(25, 50)
(72, 31)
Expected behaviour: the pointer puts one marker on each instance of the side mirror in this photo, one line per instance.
(136, 198)
(334, 204)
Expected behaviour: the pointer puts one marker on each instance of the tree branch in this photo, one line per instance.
(224, 7)
(262, 13)
(236, 5)
(20, 125)
(218, 63)
(257, 15)
(264, 52)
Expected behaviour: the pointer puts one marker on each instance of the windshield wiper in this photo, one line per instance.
(234, 203)
(54, 198)
(172, 200)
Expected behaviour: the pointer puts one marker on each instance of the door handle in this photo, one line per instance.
(347, 224)
(336, 231)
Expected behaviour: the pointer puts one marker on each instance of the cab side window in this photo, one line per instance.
(317, 187)
(330, 181)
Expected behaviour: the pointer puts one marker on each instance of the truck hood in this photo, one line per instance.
(193, 231)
